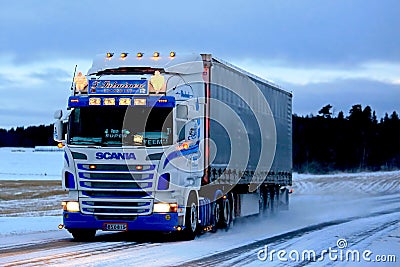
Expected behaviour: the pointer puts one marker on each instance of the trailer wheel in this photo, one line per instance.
(83, 235)
(284, 199)
(268, 210)
(191, 218)
(261, 204)
(275, 200)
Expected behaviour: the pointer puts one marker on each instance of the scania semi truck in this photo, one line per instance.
(172, 143)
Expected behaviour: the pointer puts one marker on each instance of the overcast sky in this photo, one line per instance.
(338, 52)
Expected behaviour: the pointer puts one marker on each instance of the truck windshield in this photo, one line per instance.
(117, 126)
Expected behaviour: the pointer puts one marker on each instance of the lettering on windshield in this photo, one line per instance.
(112, 134)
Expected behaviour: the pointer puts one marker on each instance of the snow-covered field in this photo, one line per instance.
(362, 209)
(28, 164)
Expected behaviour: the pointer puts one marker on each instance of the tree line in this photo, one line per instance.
(358, 142)
(321, 144)
(27, 137)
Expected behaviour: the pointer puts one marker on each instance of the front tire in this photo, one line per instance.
(83, 235)
(191, 218)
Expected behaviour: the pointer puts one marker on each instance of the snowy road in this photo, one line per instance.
(357, 221)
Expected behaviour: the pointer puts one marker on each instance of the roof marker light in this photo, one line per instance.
(172, 54)
(156, 54)
(124, 55)
(139, 54)
(109, 55)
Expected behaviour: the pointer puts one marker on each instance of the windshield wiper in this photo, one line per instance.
(89, 143)
(112, 143)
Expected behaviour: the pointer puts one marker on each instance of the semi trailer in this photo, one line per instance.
(172, 143)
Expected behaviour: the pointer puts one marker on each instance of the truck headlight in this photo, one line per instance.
(71, 206)
(165, 207)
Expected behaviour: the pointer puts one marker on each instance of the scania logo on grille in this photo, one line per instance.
(113, 155)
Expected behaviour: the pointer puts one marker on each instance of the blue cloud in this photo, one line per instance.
(303, 34)
(333, 31)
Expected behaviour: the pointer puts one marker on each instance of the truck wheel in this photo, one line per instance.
(226, 214)
(191, 218)
(83, 235)
(216, 211)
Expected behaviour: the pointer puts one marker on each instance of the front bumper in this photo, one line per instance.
(164, 222)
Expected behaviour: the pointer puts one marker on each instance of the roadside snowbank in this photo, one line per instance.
(348, 183)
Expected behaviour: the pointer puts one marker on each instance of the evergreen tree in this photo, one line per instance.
(326, 111)
(341, 115)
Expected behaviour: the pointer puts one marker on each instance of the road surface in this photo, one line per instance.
(333, 220)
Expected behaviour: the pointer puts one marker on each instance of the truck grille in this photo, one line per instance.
(121, 207)
(116, 190)
(115, 176)
(115, 185)
(111, 194)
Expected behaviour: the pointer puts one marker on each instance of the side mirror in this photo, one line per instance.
(58, 114)
(182, 112)
(58, 131)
